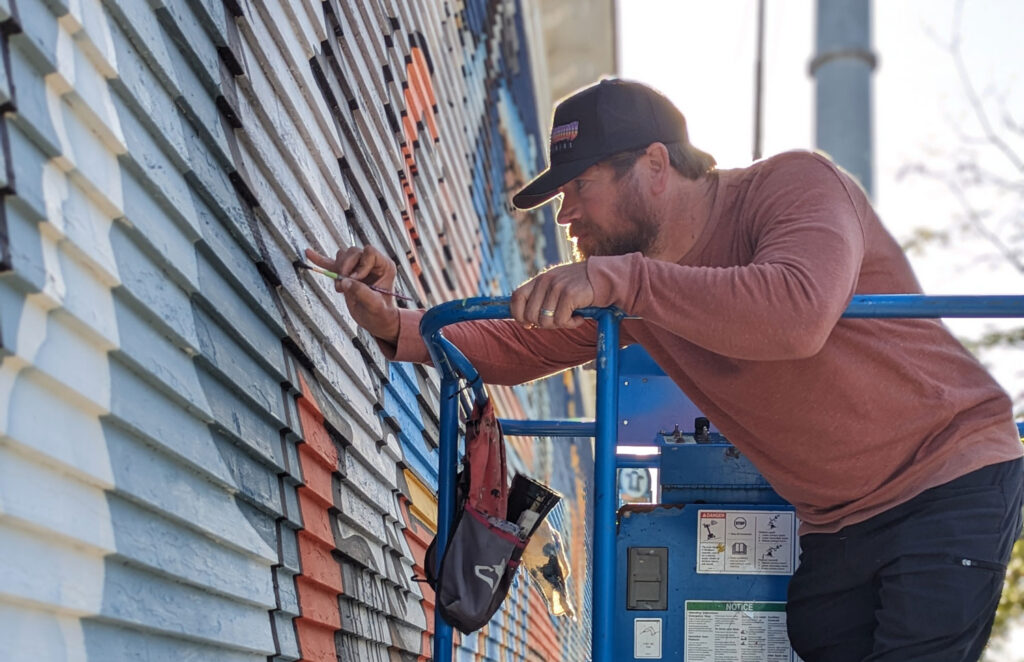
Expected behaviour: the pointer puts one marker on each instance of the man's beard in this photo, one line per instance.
(636, 230)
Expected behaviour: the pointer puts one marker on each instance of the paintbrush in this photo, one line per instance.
(299, 264)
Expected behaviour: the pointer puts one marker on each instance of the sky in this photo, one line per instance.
(701, 54)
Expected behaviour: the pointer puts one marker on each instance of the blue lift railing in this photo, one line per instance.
(454, 367)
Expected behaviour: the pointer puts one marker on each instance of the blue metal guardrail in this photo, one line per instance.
(453, 367)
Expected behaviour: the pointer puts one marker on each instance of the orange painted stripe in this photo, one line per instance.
(315, 474)
(542, 636)
(307, 401)
(424, 89)
(318, 564)
(414, 108)
(315, 435)
(315, 518)
(415, 100)
(316, 642)
(409, 127)
(319, 603)
(320, 583)
(578, 555)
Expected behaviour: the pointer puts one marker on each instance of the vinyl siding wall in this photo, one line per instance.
(201, 456)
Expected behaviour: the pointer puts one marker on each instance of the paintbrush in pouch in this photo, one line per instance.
(299, 264)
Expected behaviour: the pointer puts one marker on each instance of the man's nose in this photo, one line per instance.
(568, 209)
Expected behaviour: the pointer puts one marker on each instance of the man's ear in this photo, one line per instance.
(658, 165)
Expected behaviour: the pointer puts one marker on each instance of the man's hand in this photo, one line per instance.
(371, 310)
(549, 299)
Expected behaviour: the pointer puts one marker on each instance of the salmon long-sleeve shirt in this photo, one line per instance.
(846, 418)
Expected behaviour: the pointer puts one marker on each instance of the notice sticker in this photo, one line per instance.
(730, 631)
(746, 542)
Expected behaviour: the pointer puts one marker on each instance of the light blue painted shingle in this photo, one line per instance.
(140, 26)
(198, 105)
(259, 330)
(240, 417)
(164, 363)
(32, 142)
(158, 168)
(290, 498)
(135, 596)
(154, 283)
(190, 40)
(6, 91)
(40, 40)
(251, 372)
(26, 248)
(160, 480)
(164, 546)
(109, 641)
(254, 477)
(287, 641)
(226, 231)
(289, 547)
(142, 90)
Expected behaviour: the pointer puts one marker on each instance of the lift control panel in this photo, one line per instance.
(701, 575)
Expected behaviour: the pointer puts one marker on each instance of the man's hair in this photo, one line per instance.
(686, 159)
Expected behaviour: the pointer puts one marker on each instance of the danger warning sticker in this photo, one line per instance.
(746, 542)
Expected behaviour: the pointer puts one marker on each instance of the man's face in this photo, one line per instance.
(605, 216)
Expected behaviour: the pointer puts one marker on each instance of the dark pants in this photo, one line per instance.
(918, 582)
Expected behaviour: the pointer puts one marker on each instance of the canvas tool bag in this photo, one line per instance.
(484, 548)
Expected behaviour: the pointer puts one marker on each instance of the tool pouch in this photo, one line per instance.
(478, 567)
(487, 540)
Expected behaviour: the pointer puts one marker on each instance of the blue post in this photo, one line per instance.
(447, 459)
(602, 635)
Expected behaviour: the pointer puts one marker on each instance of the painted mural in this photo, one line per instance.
(201, 456)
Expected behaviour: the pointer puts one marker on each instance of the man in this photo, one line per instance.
(897, 449)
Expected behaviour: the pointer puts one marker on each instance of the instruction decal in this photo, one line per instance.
(746, 542)
(647, 638)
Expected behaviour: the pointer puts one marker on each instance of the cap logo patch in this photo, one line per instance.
(563, 135)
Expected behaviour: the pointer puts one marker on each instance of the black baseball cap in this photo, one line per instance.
(596, 122)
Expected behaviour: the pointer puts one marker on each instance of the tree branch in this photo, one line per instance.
(972, 96)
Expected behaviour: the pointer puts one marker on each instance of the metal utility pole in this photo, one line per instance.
(842, 68)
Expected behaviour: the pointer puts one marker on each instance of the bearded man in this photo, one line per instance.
(896, 448)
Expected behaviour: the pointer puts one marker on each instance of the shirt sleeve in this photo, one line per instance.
(502, 351)
(808, 244)
(409, 346)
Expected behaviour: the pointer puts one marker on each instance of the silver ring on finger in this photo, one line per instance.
(547, 313)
